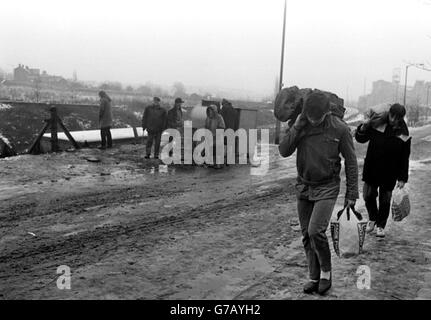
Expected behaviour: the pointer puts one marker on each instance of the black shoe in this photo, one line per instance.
(324, 286)
(147, 157)
(156, 157)
(311, 286)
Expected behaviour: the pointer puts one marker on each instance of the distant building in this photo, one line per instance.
(25, 74)
(385, 92)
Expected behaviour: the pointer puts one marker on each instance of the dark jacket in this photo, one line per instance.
(230, 117)
(154, 119)
(387, 158)
(105, 113)
(318, 158)
(175, 118)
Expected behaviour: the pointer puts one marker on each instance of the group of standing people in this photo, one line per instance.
(319, 137)
(156, 119)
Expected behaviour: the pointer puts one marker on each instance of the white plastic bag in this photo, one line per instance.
(400, 204)
(348, 232)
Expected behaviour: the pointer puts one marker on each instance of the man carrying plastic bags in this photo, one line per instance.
(386, 164)
(318, 138)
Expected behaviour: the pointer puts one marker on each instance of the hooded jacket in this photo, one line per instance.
(214, 121)
(105, 113)
(388, 152)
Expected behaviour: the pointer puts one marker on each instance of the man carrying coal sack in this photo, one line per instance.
(318, 138)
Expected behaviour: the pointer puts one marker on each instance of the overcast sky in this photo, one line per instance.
(332, 44)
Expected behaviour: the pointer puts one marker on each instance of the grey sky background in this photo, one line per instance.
(333, 44)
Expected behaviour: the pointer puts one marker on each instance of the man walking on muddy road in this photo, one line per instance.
(386, 163)
(155, 122)
(318, 138)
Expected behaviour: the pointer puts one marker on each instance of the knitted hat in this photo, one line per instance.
(316, 105)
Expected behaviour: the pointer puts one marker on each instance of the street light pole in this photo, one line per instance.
(280, 86)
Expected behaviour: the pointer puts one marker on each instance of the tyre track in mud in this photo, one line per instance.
(17, 209)
(38, 257)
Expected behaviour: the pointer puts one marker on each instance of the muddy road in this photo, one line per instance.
(130, 228)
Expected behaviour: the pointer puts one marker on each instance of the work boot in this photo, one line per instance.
(311, 286)
(370, 226)
(324, 286)
(380, 232)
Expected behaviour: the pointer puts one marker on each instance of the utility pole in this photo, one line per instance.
(280, 86)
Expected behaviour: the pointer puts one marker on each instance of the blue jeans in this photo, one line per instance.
(314, 218)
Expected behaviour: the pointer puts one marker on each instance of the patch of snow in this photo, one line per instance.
(419, 164)
(4, 139)
(413, 129)
(5, 106)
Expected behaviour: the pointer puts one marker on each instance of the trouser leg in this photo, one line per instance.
(171, 152)
(109, 137)
(384, 207)
(103, 137)
(305, 209)
(150, 138)
(319, 221)
(370, 198)
(158, 140)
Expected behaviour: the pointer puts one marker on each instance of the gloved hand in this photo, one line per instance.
(301, 122)
(365, 126)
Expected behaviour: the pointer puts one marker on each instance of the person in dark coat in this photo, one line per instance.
(386, 163)
(319, 138)
(155, 122)
(105, 120)
(175, 119)
(213, 122)
(230, 118)
(229, 114)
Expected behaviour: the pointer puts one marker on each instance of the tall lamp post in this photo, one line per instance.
(280, 85)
